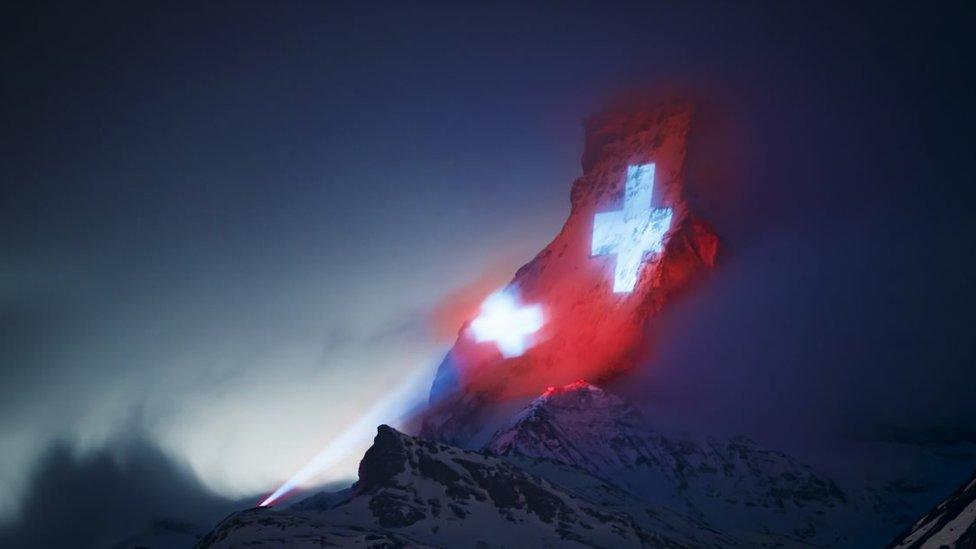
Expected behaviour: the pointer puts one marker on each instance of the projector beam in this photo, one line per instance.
(395, 406)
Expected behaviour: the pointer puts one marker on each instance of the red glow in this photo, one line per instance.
(463, 304)
(576, 385)
(590, 331)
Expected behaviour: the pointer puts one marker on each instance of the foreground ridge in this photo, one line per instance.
(416, 492)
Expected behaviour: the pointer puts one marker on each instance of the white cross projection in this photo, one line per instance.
(508, 325)
(633, 232)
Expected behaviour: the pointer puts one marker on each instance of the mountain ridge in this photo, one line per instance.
(582, 426)
(417, 492)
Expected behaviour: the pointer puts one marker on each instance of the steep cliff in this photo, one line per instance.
(590, 331)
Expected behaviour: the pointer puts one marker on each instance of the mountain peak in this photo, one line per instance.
(383, 460)
(578, 385)
(591, 330)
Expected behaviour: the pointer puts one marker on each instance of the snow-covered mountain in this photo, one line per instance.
(951, 523)
(729, 483)
(418, 493)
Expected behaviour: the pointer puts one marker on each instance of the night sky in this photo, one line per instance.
(226, 230)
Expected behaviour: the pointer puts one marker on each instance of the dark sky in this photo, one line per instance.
(218, 220)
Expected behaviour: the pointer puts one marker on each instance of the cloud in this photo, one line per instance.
(102, 498)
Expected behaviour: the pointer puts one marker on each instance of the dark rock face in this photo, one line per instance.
(383, 461)
(950, 524)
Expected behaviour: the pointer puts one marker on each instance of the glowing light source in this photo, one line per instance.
(635, 231)
(508, 325)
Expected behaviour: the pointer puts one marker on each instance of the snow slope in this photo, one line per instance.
(589, 330)
(951, 523)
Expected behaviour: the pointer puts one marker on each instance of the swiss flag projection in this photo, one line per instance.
(590, 331)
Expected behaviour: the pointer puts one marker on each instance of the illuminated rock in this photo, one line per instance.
(505, 323)
(633, 233)
(591, 332)
(734, 484)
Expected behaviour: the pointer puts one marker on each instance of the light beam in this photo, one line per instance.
(393, 407)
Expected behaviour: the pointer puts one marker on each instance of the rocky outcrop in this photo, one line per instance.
(589, 332)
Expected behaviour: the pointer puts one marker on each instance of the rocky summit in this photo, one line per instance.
(590, 331)
(577, 466)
